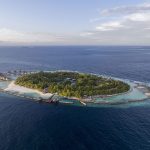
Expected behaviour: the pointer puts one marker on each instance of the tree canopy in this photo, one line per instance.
(72, 84)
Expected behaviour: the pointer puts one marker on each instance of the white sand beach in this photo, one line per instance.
(12, 87)
(147, 94)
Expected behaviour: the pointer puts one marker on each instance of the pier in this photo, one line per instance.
(83, 103)
(54, 99)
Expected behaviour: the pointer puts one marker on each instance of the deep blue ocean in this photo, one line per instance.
(27, 125)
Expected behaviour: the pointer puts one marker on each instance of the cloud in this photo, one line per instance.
(127, 9)
(114, 13)
(132, 27)
(13, 36)
(138, 17)
(9, 35)
(85, 34)
(109, 26)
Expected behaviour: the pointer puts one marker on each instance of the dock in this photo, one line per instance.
(52, 99)
(63, 102)
(83, 103)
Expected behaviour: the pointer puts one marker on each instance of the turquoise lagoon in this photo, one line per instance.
(134, 97)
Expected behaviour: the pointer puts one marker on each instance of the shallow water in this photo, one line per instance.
(135, 95)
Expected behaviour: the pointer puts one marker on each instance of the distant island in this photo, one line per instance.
(72, 84)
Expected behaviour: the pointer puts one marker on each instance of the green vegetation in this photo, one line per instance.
(72, 84)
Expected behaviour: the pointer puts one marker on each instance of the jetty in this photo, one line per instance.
(54, 99)
(83, 103)
(51, 99)
(66, 102)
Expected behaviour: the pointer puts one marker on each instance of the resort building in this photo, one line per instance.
(3, 77)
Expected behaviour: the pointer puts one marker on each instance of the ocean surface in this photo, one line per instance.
(27, 125)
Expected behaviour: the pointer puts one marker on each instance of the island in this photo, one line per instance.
(72, 84)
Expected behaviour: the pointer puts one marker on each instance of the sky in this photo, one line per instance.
(75, 22)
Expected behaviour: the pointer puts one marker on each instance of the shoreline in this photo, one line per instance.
(12, 87)
(17, 90)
